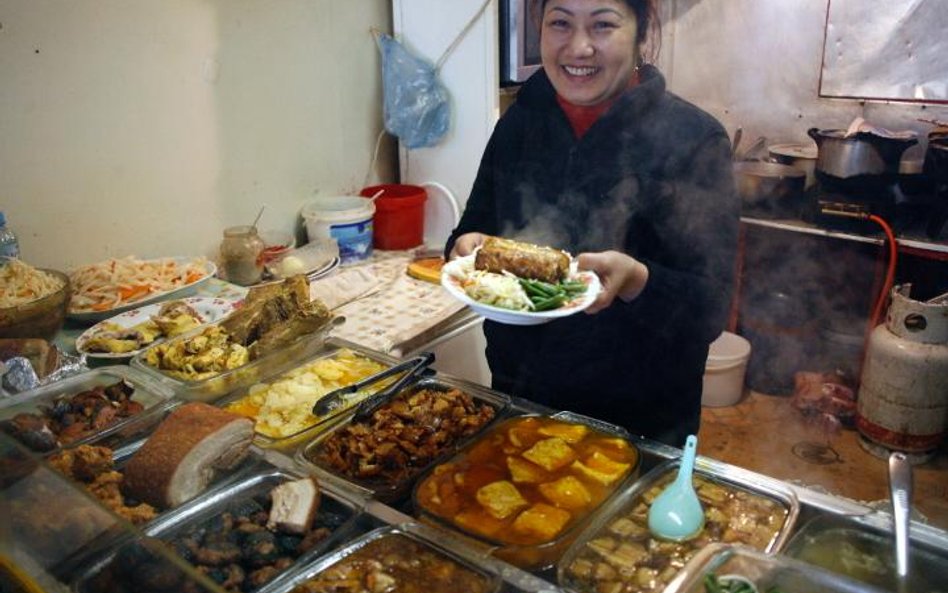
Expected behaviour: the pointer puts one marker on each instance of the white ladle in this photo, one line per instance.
(676, 513)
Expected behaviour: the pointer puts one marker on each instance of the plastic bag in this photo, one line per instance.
(416, 105)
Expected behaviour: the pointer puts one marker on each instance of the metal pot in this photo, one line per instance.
(769, 190)
(860, 154)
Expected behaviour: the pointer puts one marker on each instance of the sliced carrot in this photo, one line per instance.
(130, 292)
(101, 306)
(193, 277)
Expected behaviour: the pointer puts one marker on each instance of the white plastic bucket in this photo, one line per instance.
(347, 219)
(724, 370)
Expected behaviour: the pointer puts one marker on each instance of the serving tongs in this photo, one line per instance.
(337, 399)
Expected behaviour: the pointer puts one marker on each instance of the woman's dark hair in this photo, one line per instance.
(648, 25)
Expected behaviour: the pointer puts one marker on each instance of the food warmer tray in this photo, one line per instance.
(214, 388)
(419, 534)
(389, 491)
(622, 506)
(530, 557)
(764, 570)
(155, 397)
(193, 516)
(329, 349)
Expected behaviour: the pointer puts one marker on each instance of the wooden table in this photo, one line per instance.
(766, 434)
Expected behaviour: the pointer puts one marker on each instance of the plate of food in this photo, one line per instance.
(105, 289)
(126, 334)
(520, 283)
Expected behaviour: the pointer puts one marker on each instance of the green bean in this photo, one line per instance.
(551, 303)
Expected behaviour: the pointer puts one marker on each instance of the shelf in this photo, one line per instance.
(798, 226)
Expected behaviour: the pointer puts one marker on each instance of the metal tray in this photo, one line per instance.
(535, 557)
(764, 570)
(388, 491)
(416, 534)
(626, 504)
(849, 547)
(152, 395)
(193, 517)
(213, 388)
(331, 348)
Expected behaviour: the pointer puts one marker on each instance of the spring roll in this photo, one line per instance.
(522, 259)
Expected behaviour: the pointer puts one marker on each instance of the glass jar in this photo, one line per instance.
(241, 255)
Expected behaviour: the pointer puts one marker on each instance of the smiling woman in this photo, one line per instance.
(597, 158)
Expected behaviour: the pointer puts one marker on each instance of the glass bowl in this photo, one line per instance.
(40, 318)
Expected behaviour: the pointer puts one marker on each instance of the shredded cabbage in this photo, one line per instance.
(497, 290)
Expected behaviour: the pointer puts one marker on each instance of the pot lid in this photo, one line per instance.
(796, 151)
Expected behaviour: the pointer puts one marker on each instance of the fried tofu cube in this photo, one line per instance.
(542, 521)
(476, 521)
(524, 472)
(501, 499)
(566, 493)
(571, 433)
(551, 454)
(602, 472)
(601, 462)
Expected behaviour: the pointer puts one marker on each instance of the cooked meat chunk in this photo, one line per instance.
(522, 259)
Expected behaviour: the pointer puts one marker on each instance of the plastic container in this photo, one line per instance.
(347, 219)
(399, 215)
(724, 371)
(9, 246)
(154, 398)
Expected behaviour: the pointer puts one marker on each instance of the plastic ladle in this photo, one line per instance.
(676, 513)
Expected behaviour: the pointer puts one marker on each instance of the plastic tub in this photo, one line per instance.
(399, 215)
(724, 371)
(347, 219)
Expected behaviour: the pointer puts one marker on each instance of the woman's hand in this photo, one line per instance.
(466, 243)
(621, 275)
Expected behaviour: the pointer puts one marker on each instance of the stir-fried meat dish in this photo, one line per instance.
(94, 468)
(73, 418)
(403, 436)
(396, 563)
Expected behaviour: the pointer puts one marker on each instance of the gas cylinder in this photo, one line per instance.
(903, 393)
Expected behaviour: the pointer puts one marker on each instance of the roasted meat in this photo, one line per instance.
(522, 259)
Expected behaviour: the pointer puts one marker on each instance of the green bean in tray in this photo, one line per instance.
(546, 296)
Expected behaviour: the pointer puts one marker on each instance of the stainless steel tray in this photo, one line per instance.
(197, 517)
(154, 396)
(535, 557)
(764, 570)
(629, 504)
(331, 348)
(415, 533)
(388, 491)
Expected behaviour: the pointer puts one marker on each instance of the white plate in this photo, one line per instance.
(210, 309)
(453, 271)
(181, 291)
(314, 274)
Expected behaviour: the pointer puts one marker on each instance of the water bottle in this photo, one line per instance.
(9, 246)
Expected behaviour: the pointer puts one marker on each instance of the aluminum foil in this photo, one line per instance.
(17, 374)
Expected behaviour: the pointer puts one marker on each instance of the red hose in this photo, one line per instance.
(889, 273)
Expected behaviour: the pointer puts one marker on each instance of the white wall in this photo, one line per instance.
(146, 126)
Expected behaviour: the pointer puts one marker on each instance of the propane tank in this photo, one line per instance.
(903, 392)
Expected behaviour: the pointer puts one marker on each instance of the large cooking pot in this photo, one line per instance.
(769, 190)
(862, 153)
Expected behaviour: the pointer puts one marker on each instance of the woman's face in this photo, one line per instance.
(588, 48)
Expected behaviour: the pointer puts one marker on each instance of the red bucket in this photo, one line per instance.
(399, 221)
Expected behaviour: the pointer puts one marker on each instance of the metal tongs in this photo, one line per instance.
(335, 400)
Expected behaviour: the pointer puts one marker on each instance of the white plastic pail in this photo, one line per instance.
(724, 370)
(347, 219)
